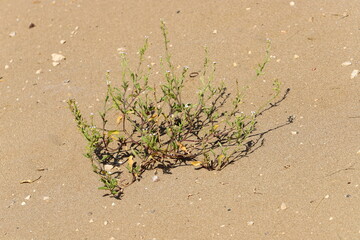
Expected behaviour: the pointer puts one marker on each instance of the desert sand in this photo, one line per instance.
(302, 184)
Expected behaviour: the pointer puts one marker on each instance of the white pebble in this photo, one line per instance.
(38, 71)
(294, 132)
(155, 178)
(354, 74)
(283, 206)
(250, 223)
(57, 57)
(12, 34)
(46, 198)
(62, 41)
(23, 203)
(215, 31)
(6, 67)
(108, 167)
(327, 196)
(292, 4)
(106, 223)
(55, 63)
(296, 56)
(27, 197)
(347, 63)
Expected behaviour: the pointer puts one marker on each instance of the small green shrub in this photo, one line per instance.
(156, 128)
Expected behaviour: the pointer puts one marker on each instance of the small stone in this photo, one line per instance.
(27, 197)
(327, 196)
(354, 74)
(12, 34)
(91, 220)
(215, 31)
(108, 167)
(62, 41)
(222, 226)
(55, 63)
(292, 4)
(283, 206)
(347, 195)
(121, 50)
(234, 64)
(347, 63)
(57, 57)
(46, 198)
(38, 71)
(250, 223)
(31, 25)
(23, 203)
(331, 218)
(106, 223)
(358, 152)
(296, 56)
(248, 9)
(7, 67)
(294, 132)
(155, 178)
(113, 204)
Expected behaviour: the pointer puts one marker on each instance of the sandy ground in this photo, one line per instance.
(297, 186)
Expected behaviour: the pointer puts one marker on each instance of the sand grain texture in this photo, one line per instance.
(297, 186)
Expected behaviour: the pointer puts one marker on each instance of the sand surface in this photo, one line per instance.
(302, 184)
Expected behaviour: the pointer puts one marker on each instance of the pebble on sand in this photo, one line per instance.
(12, 34)
(155, 178)
(283, 206)
(250, 223)
(354, 74)
(57, 57)
(62, 41)
(347, 63)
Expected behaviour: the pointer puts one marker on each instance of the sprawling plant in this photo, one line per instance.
(156, 127)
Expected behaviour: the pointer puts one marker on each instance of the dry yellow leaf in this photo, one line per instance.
(215, 127)
(152, 117)
(182, 147)
(113, 132)
(130, 161)
(118, 119)
(196, 163)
